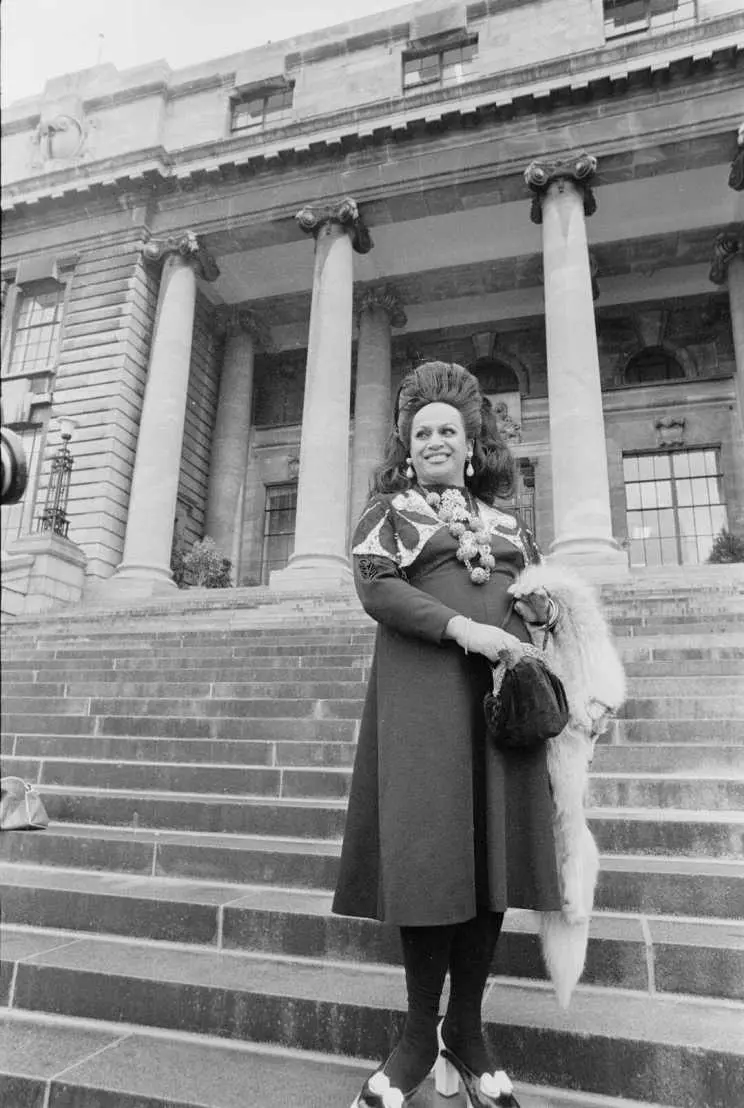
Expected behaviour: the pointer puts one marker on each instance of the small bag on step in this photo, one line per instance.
(21, 807)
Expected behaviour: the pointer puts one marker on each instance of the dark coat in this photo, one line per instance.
(439, 823)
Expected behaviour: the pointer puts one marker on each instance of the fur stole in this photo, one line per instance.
(580, 652)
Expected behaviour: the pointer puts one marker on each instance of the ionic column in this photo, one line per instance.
(320, 558)
(379, 311)
(581, 490)
(157, 463)
(727, 268)
(229, 458)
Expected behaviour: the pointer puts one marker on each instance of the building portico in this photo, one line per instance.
(234, 368)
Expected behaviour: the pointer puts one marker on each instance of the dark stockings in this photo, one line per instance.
(471, 955)
(466, 949)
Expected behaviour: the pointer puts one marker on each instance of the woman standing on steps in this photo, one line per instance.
(444, 832)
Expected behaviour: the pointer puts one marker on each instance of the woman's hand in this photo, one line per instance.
(480, 638)
(534, 607)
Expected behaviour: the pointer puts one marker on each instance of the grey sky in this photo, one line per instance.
(44, 38)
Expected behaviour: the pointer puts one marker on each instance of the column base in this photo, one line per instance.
(135, 581)
(318, 572)
(594, 559)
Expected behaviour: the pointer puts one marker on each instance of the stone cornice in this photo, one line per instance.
(188, 247)
(580, 169)
(599, 74)
(385, 297)
(726, 246)
(346, 213)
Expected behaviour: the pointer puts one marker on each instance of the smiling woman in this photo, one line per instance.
(439, 447)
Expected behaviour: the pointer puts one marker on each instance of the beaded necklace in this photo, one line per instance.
(474, 542)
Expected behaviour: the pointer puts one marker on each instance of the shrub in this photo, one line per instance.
(727, 548)
(206, 567)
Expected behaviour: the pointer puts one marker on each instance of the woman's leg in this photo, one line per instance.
(471, 953)
(426, 955)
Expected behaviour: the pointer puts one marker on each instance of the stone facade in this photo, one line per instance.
(244, 257)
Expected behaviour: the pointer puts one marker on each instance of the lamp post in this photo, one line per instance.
(54, 516)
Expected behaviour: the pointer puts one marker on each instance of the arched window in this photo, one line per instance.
(652, 364)
(496, 376)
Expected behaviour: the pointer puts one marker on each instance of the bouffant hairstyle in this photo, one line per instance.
(447, 383)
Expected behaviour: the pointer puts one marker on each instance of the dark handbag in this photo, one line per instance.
(528, 704)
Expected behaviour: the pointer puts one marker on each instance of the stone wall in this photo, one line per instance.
(100, 384)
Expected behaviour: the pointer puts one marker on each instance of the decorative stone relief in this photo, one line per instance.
(385, 297)
(579, 169)
(726, 246)
(510, 429)
(61, 134)
(670, 431)
(189, 247)
(346, 213)
(736, 176)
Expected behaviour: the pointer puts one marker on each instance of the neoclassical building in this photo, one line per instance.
(219, 275)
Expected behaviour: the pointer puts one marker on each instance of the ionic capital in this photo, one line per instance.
(385, 297)
(346, 213)
(188, 247)
(231, 320)
(579, 169)
(726, 246)
(736, 176)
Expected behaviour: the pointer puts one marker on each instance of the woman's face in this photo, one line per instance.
(439, 449)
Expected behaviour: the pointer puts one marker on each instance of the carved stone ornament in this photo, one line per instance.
(670, 430)
(230, 320)
(736, 176)
(61, 133)
(386, 298)
(189, 247)
(579, 169)
(511, 431)
(345, 213)
(726, 246)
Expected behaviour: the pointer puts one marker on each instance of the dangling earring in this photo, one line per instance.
(410, 472)
(469, 471)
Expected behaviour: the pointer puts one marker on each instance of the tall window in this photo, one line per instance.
(279, 528)
(439, 67)
(674, 506)
(628, 17)
(35, 332)
(262, 110)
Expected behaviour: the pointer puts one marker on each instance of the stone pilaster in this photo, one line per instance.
(562, 200)
(243, 332)
(320, 556)
(145, 566)
(727, 268)
(379, 310)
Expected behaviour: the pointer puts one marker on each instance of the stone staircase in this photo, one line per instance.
(168, 941)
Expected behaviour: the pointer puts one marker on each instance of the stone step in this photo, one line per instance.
(680, 668)
(691, 790)
(58, 1062)
(191, 674)
(184, 727)
(704, 957)
(301, 782)
(651, 886)
(669, 1049)
(205, 751)
(609, 757)
(664, 731)
(136, 690)
(163, 668)
(707, 759)
(668, 833)
(139, 654)
(713, 684)
(192, 708)
(685, 707)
